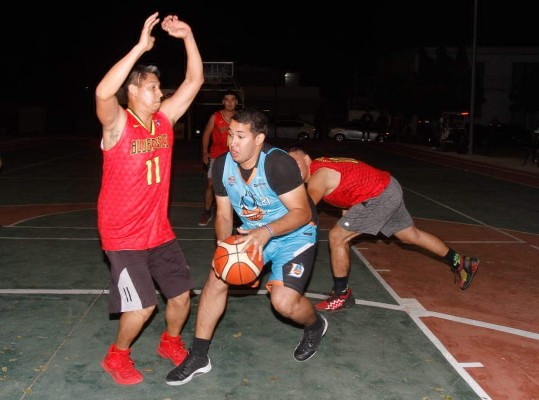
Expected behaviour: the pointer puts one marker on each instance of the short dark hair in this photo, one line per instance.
(229, 92)
(296, 147)
(301, 147)
(139, 73)
(257, 119)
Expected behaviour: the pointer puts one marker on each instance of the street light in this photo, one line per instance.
(472, 95)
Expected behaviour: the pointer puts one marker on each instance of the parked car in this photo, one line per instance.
(291, 129)
(353, 130)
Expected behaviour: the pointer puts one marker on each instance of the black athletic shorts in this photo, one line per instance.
(133, 273)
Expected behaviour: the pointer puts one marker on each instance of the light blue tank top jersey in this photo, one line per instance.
(257, 204)
(254, 201)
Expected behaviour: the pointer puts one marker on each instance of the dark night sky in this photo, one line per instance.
(54, 51)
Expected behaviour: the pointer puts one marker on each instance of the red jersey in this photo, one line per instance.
(359, 181)
(133, 202)
(219, 135)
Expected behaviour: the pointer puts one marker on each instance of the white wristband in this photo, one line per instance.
(270, 230)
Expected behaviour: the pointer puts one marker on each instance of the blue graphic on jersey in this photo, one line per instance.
(250, 208)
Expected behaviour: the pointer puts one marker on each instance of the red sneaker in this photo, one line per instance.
(121, 367)
(205, 218)
(172, 347)
(336, 301)
(466, 271)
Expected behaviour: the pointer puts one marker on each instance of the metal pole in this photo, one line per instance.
(472, 91)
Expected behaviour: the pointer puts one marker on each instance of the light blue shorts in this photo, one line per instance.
(292, 258)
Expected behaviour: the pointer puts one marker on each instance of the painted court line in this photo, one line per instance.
(43, 162)
(472, 365)
(184, 239)
(412, 306)
(28, 390)
(463, 215)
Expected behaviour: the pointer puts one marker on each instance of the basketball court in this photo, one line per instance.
(412, 334)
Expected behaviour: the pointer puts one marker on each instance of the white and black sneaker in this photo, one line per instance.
(190, 367)
(311, 341)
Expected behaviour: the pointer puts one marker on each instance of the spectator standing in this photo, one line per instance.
(214, 143)
(367, 124)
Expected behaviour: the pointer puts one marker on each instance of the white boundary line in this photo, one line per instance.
(411, 306)
(416, 311)
(481, 223)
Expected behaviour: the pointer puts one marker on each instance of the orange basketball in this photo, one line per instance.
(234, 267)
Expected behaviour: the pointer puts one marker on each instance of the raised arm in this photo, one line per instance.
(176, 105)
(109, 112)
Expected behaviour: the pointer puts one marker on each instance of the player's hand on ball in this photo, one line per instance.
(233, 262)
(258, 238)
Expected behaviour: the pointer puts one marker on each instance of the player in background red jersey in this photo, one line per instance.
(214, 143)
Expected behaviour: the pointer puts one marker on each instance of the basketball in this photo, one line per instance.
(234, 267)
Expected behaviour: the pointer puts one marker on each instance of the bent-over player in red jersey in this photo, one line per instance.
(371, 201)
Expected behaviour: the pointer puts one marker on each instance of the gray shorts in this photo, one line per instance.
(385, 213)
(133, 273)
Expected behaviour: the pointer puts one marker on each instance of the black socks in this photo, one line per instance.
(452, 258)
(200, 347)
(340, 285)
(316, 325)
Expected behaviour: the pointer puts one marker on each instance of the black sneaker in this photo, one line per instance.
(311, 342)
(190, 367)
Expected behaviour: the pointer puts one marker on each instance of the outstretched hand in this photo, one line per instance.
(175, 28)
(146, 38)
